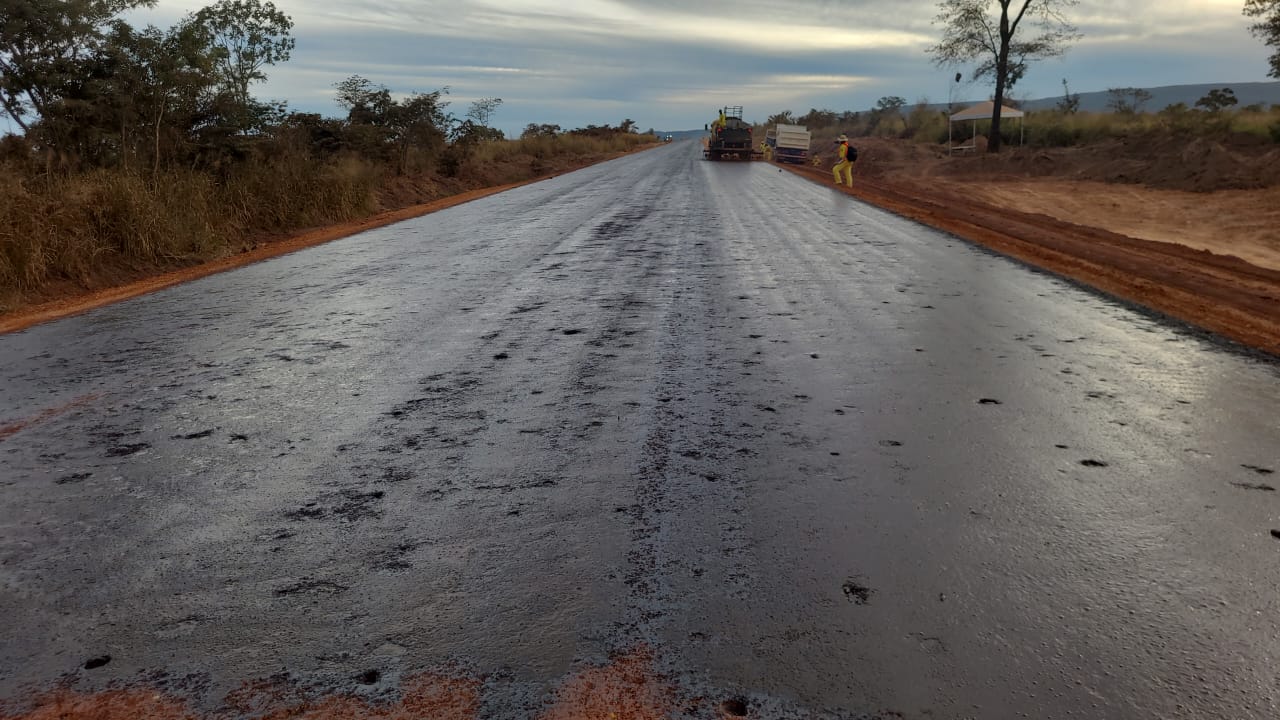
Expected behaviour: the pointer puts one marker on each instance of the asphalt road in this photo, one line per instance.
(810, 454)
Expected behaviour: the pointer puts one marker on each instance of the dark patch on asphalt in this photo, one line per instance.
(572, 331)
(195, 435)
(1275, 534)
(127, 449)
(734, 707)
(74, 478)
(237, 437)
(989, 401)
(1259, 470)
(94, 663)
(856, 592)
(369, 677)
(395, 474)
(355, 505)
(309, 511)
(1093, 463)
(890, 443)
(1254, 486)
(501, 356)
(311, 587)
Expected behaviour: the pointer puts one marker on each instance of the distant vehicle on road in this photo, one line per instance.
(791, 143)
(667, 139)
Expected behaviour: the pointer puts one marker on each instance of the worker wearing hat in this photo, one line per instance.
(846, 162)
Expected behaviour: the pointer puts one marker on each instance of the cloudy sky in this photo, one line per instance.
(667, 64)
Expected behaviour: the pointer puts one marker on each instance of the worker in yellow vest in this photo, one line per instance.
(846, 155)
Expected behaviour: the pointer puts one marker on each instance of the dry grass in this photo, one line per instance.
(95, 229)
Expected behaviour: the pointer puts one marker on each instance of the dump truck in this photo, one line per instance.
(730, 135)
(791, 144)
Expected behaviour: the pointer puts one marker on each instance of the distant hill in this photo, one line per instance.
(1267, 93)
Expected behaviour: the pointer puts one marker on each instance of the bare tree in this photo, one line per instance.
(1267, 27)
(986, 32)
(1070, 102)
(482, 110)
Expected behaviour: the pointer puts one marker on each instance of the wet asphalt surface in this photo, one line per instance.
(814, 455)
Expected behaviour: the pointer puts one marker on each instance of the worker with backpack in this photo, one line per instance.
(847, 156)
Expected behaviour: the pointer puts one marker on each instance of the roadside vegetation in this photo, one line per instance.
(1214, 117)
(997, 41)
(143, 149)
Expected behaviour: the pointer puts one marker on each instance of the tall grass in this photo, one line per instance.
(1050, 128)
(93, 227)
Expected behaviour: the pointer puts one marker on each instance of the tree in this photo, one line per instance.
(887, 108)
(1070, 102)
(1267, 27)
(482, 110)
(159, 76)
(385, 123)
(533, 130)
(972, 34)
(1127, 101)
(365, 103)
(890, 104)
(627, 126)
(783, 118)
(45, 46)
(1217, 100)
(816, 118)
(248, 34)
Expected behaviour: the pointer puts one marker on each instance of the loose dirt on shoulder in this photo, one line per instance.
(1243, 223)
(1211, 259)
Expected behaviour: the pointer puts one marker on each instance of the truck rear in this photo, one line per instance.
(730, 136)
(792, 144)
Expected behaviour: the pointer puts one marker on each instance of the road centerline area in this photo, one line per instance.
(708, 425)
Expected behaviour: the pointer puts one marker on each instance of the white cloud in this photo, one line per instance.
(666, 62)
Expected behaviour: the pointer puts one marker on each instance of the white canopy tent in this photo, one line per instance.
(982, 111)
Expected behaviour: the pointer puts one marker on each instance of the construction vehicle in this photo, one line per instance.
(791, 144)
(730, 136)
